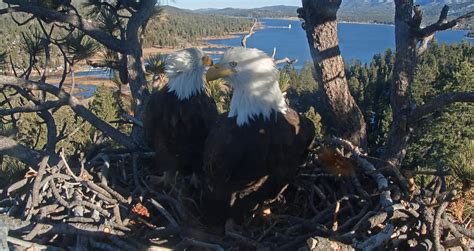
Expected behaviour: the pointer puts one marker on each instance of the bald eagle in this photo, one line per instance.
(178, 117)
(253, 151)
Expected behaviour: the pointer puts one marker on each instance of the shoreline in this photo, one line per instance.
(349, 22)
(339, 22)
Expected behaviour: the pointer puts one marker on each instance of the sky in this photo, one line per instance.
(198, 4)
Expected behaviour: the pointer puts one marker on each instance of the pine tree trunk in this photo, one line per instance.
(403, 74)
(344, 118)
(138, 88)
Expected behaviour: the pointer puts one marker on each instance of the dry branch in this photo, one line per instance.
(75, 105)
(442, 23)
(251, 32)
(24, 154)
(92, 208)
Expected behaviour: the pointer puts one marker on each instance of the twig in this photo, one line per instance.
(17, 185)
(134, 120)
(376, 240)
(165, 213)
(437, 220)
(336, 211)
(117, 196)
(36, 184)
(135, 173)
(61, 154)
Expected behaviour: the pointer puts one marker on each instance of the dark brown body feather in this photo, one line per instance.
(244, 166)
(177, 129)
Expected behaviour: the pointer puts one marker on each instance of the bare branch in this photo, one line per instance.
(439, 102)
(286, 61)
(24, 154)
(34, 108)
(133, 119)
(251, 32)
(100, 64)
(139, 18)
(75, 105)
(442, 23)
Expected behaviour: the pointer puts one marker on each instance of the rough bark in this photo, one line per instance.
(344, 118)
(403, 73)
(405, 117)
(137, 80)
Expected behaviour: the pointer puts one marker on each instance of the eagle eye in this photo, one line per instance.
(207, 61)
(233, 64)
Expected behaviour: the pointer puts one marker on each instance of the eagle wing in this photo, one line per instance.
(177, 130)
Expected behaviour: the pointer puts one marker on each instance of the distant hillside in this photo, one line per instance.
(270, 11)
(380, 11)
(178, 27)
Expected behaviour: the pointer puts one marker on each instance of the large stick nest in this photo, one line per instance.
(113, 202)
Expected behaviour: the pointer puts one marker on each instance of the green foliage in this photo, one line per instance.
(221, 93)
(300, 86)
(370, 86)
(316, 119)
(462, 163)
(50, 4)
(176, 27)
(168, 27)
(33, 43)
(80, 47)
(155, 65)
(10, 169)
(31, 131)
(303, 94)
(103, 104)
(440, 137)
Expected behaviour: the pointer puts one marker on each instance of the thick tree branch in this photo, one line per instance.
(140, 17)
(439, 102)
(85, 25)
(75, 105)
(34, 108)
(407, 34)
(30, 157)
(442, 23)
(100, 64)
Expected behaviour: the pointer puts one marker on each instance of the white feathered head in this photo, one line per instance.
(186, 69)
(254, 77)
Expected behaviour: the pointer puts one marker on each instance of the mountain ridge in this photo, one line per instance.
(378, 11)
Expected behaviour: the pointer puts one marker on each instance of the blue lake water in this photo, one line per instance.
(357, 41)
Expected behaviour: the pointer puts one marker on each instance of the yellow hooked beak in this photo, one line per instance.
(218, 71)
